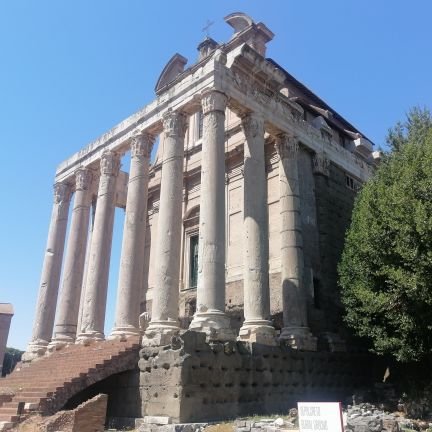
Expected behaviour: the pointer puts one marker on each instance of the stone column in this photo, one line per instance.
(134, 232)
(50, 279)
(295, 331)
(65, 328)
(93, 313)
(164, 318)
(210, 315)
(257, 327)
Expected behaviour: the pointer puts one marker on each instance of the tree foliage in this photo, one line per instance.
(11, 358)
(385, 271)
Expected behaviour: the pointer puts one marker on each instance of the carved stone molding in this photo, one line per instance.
(83, 179)
(142, 145)
(321, 165)
(287, 146)
(213, 100)
(174, 123)
(110, 163)
(253, 125)
(62, 193)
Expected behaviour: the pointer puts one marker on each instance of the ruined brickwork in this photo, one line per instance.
(193, 381)
(87, 417)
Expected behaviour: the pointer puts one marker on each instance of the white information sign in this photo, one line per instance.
(320, 416)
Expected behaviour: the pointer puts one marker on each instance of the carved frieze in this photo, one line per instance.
(174, 123)
(110, 163)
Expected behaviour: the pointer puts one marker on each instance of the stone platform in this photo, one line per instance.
(194, 381)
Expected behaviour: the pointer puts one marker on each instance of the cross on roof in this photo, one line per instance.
(206, 28)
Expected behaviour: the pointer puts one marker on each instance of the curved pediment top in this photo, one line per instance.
(238, 21)
(174, 67)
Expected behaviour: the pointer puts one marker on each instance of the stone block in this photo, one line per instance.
(158, 420)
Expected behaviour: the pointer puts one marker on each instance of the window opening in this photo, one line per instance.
(193, 261)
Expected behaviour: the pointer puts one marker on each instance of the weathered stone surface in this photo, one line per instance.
(256, 327)
(191, 380)
(50, 279)
(96, 285)
(134, 231)
(164, 316)
(210, 315)
(65, 327)
(87, 417)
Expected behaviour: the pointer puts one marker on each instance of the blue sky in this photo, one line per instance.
(71, 70)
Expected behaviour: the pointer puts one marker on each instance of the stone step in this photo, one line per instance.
(68, 367)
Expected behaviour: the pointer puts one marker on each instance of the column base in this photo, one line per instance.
(60, 341)
(257, 331)
(160, 333)
(299, 338)
(215, 324)
(124, 332)
(35, 350)
(87, 337)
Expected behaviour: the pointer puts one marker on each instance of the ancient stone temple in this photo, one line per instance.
(231, 239)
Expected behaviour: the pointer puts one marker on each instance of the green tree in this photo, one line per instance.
(385, 271)
(11, 358)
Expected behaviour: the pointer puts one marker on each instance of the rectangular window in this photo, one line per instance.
(352, 183)
(193, 261)
(200, 124)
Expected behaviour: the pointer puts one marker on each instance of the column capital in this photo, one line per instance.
(321, 165)
(110, 163)
(142, 145)
(62, 192)
(213, 100)
(253, 124)
(83, 179)
(287, 146)
(174, 123)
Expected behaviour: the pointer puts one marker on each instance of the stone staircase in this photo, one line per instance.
(47, 384)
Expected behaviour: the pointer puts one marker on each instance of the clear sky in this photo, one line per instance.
(70, 70)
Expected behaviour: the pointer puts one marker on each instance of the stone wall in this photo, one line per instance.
(192, 381)
(334, 203)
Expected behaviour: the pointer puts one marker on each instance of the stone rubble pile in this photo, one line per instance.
(287, 424)
(368, 418)
(363, 417)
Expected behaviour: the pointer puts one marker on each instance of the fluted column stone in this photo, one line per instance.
(50, 279)
(210, 314)
(65, 328)
(164, 318)
(96, 286)
(295, 331)
(134, 232)
(257, 326)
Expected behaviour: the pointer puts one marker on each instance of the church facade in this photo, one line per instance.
(236, 227)
(233, 231)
